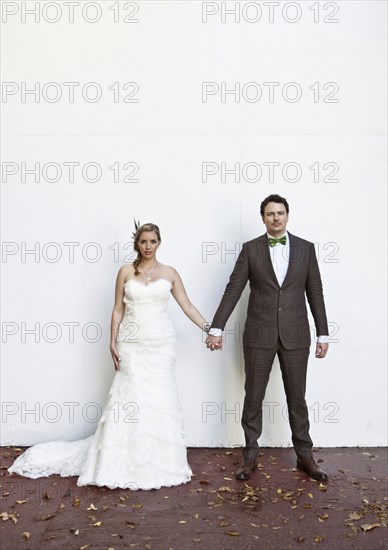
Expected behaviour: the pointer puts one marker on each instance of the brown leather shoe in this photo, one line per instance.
(309, 466)
(245, 469)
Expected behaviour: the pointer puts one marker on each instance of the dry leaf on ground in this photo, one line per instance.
(368, 526)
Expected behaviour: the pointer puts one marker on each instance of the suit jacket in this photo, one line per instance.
(273, 311)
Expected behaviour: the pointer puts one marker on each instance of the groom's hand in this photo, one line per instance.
(321, 350)
(214, 342)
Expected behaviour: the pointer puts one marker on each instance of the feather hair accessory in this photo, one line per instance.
(137, 225)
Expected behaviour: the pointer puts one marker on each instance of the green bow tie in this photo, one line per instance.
(272, 241)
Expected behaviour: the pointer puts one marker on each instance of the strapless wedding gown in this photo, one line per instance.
(139, 442)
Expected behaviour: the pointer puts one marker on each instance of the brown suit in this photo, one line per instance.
(276, 323)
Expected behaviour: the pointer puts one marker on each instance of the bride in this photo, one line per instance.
(139, 442)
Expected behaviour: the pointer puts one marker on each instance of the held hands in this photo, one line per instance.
(214, 342)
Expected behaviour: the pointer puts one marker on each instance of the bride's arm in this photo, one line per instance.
(180, 295)
(117, 315)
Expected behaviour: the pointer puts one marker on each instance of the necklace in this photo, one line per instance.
(148, 276)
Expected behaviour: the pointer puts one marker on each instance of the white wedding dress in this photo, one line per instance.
(139, 442)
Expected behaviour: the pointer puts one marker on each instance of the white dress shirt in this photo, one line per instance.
(280, 257)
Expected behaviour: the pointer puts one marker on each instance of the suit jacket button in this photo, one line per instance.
(280, 309)
(282, 292)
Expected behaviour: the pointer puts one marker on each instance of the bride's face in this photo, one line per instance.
(148, 244)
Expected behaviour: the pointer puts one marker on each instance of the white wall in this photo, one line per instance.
(169, 134)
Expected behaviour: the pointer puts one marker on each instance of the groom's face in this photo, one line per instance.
(275, 218)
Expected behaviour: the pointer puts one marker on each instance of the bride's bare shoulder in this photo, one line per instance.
(126, 272)
(167, 271)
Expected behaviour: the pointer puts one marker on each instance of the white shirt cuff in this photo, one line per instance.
(322, 340)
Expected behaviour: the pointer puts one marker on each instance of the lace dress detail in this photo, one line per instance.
(139, 442)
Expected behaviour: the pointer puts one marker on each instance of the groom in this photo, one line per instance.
(281, 269)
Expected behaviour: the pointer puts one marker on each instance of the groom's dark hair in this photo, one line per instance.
(273, 198)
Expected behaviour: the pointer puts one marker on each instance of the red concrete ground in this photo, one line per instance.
(278, 509)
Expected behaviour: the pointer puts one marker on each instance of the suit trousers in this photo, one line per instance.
(293, 365)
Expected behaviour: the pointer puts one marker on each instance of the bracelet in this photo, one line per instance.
(206, 328)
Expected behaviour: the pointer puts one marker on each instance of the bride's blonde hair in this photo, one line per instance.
(136, 238)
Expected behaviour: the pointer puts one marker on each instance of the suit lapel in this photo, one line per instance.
(265, 255)
(292, 260)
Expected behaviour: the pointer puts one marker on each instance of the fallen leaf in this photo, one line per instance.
(323, 517)
(310, 495)
(97, 524)
(131, 524)
(233, 533)
(4, 516)
(197, 540)
(319, 538)
(76, 501)
(45, 518)
(13, 518)
(92, 507)
(182, 521)
(21, 502)
(83, 547)
(137, 506)
(368, 526)
(355, 516)
(203, 481)
(300, 539)
(26, 535)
